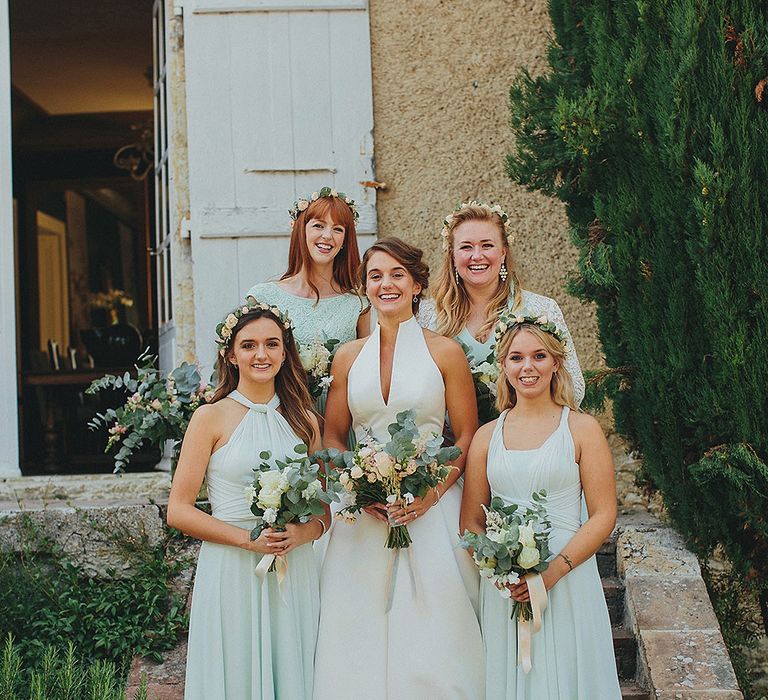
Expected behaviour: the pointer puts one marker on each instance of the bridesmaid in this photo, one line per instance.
(248, 638)
(541, 442)
(478, 280)
(319, 288)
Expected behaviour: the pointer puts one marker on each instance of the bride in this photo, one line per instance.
(427, 644)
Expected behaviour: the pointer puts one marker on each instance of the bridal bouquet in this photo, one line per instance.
(484, 376)
(285, 492)
(515, 543)
(316, 358)
(406, 467)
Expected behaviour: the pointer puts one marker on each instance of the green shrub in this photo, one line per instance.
(49, 603)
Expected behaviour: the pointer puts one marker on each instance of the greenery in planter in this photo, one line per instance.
(651, 126)
(158, 408)
(60, 677)
(49, 602)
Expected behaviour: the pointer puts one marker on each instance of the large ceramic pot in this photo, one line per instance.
(112, 346)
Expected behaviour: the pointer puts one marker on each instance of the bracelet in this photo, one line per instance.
(437, 494)
(322, 525)
(567, 560)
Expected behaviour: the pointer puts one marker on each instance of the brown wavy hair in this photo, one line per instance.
(346, 264)
(451, 299)
(407, 255)
(290, 382)
(561, 387)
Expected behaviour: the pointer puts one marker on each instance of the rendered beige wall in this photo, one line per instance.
(441, 77)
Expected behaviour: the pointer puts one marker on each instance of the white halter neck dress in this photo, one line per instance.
(572, 654)
(428, 645)
(250, 638)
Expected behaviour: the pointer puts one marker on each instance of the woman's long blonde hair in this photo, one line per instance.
(561, 387)
(450, 295)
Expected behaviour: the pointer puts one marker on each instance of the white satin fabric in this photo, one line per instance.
(428, 645)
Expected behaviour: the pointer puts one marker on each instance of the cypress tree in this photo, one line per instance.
(652, 127)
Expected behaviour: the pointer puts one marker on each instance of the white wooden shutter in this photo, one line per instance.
(278, 104)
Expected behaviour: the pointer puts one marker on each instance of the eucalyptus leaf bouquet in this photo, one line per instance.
(316, 358)
(484, 376)
(515, 543)
(405, 468)
(158, 408)
(285, 491)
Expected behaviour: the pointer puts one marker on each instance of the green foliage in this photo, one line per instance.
(60, 678)
(105, 620)
(652, 127)
(158, 408)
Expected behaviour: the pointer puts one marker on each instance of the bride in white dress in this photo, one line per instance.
(428, 644)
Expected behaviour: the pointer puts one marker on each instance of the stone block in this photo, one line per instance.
(165, 680)
(678, 603)
(650, 549)
(688, 662)
(89, 534)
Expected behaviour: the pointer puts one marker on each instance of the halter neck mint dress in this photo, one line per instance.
(428, 645)
(572, 654)
(250, 638)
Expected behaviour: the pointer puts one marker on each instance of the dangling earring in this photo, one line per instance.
(503, 272)
(456, 273)
(415, 298)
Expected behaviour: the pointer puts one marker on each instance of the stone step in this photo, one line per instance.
(625, 651)
(606, 557)
(630, 691)
(613, 590)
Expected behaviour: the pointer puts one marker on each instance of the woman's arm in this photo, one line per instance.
(598, 481)
(477, 491)
(201, 436)
(337, 416)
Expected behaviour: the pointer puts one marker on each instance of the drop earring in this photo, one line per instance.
(503, 272)
(456, 274)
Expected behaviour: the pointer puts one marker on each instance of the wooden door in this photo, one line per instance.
(279, 103)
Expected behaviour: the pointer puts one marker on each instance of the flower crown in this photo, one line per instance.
(301, 204)
(224, 329)
(490, 208)
(510, 318)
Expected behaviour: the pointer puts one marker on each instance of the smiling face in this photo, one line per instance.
(258, 351)
(389, 286)
(478, 252)
(324, 239)
(529, 366)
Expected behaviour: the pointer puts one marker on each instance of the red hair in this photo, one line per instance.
(346, 264)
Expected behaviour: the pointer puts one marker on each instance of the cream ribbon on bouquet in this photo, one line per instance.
(527, 628)
(281, 567)
(391, 577)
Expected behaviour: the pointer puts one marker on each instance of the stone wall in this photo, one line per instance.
(441, 76)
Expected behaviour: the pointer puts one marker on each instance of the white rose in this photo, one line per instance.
(526, 535)
(365, 452)
(384, 463)
(529, 557)
(543, 320)
(306, 356)
(313, 488)
(230, 321)
(250, 494)
(519, 319)
(498, 536)
(270, 515)
(226, 332)
(334, 193)
(302, 204)
(372, 477)
(356, 472)
(270, 494)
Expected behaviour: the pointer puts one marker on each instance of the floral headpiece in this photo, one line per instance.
(510, 318)
(224, 329)
(490, 208)
(301, 204)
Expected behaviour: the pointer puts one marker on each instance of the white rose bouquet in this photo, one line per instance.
(484, 376)
(285, 491)
(403, 469)
(316, 358)
(515, 543)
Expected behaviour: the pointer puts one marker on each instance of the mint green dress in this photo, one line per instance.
(248, 637)
(331, 318)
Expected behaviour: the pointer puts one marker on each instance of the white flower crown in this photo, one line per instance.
(224, 329)
(490, 208)
(508, 319)
(301, 204)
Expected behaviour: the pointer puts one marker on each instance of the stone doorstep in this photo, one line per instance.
(165, 680)
(142, 486)
(681, 651)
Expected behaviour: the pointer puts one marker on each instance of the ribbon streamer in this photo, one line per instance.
(394, 564)
(281, 568)
(527, 628)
